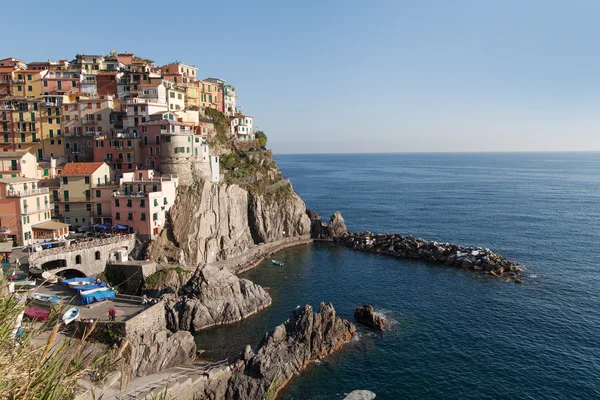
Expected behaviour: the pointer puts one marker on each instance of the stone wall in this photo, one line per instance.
(152, 319)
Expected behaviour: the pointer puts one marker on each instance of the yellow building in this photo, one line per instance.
(193, 95)
(26, 125)
(75, 197)
(210, 94)
(52, 139)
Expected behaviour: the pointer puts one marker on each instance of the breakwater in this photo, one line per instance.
(472, 258)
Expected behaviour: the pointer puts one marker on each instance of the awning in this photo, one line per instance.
(120, 227)
(101, 226)
(50, 226)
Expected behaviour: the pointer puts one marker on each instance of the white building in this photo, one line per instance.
(229, 96)
(139, 110)
(242, 127)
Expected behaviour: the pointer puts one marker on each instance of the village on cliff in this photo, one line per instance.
(101, 142)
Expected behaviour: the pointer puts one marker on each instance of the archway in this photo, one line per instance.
(71, 273)
(54, 264)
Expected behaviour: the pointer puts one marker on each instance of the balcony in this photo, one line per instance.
(47, 104)
(92, 133)
(24, 193)
(75, 199)
(34, 210)
(88, 121)
(129, 194)
(102, 213)
(17, 81)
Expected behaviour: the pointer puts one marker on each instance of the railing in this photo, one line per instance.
(90, 244)
(17, 81)
(22, 193)
(49, 105)
(129, 194)
(33, 210)
(77, 199)
(88, 121)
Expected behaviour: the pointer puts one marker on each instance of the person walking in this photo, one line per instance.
(112, 314)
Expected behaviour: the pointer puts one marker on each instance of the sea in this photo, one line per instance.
(453, 334)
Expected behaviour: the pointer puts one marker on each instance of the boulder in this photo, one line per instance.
(360, 395)
(337, 226)
(366, 315)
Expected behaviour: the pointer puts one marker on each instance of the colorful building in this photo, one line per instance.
(242, 127)
(179, 72)
(144, 201)
(78, 180)
(18, 164)
(23, 207)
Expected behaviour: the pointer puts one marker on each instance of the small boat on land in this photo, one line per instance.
(37, 313)
(49, 277)
(18, 277)
(71, 314)
(45, 298)
(90, 291)
(276, 262)
(24, 285)
(35, 270)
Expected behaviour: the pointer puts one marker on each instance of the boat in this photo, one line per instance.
(24, 285)
(90, 291)
(35, 270)
(37, 313)
(74, 285)
(49, 277)
(18, 277)
(70, 315)
(45, 298)
(280, 263)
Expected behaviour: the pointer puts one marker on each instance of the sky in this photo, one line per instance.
(349, 76)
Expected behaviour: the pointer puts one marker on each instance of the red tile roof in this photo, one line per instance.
(81, 168)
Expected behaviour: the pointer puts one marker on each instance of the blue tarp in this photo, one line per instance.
(89, 286)
(101, 226)
(88, 279)
(100, 295)
(120, 227)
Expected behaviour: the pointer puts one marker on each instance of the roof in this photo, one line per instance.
(81, 168)
(150, 84)
(13, 154)
(165, 122)
(8, 69)
(50, 226)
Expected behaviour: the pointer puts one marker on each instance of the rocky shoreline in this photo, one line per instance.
(471, 258)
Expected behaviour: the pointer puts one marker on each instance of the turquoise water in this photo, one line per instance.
(454, 334)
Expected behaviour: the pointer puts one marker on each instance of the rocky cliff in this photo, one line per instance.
(211, 222)
(214, 297)
(285, 351)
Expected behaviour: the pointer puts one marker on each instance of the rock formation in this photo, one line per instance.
(472, 258)
(156, 351)
(212, 297)
(210, 222)
(337, 226)
(360, 395)
(366, 315)
(284, 352)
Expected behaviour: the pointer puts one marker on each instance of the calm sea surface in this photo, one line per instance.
(454, 335)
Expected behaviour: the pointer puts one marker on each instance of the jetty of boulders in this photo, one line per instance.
(472, 258)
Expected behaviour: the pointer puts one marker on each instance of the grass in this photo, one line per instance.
(48, 371)
(159, 275)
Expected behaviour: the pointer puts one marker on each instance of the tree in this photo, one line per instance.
(262, 138)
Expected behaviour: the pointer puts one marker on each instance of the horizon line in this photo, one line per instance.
(444, 152)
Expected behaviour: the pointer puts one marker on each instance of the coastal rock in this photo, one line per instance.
(366, 315)
(157, 351)
(272, 217)
(470, 258)
(214, 297)
(337, 226)
(287, 350)
(360, 395)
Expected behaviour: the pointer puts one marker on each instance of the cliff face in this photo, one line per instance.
(214, 297)
(211, 222)
(286, 351)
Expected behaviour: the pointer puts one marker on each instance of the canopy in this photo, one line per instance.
(101, 226)
(67, 281)
(120, 227)
(100, 295)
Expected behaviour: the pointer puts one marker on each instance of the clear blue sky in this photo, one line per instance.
(350, 76)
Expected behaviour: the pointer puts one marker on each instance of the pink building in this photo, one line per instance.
(121, 151)
(151, 131)
(143, 202)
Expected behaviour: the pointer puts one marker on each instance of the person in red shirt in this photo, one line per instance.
(112, 314)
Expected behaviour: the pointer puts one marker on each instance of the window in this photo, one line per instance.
(98, 193)
(155, 217)
(45, 83)
(50, 121)
(129, 203)
(155, 202)
(67, 145)
(142, 203)
(66, 195)
(172, 95)
(65, 180)
(143, 216)
(74, 83)
(51, 132)
(87, 180)
(130, 216)
(77, 258)
(30, 88)
(165, 202)
(98, 106)
(116, 202)
(59, 141)
(88, 207)
(118, 216)
(67, 207)
(97, 255)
